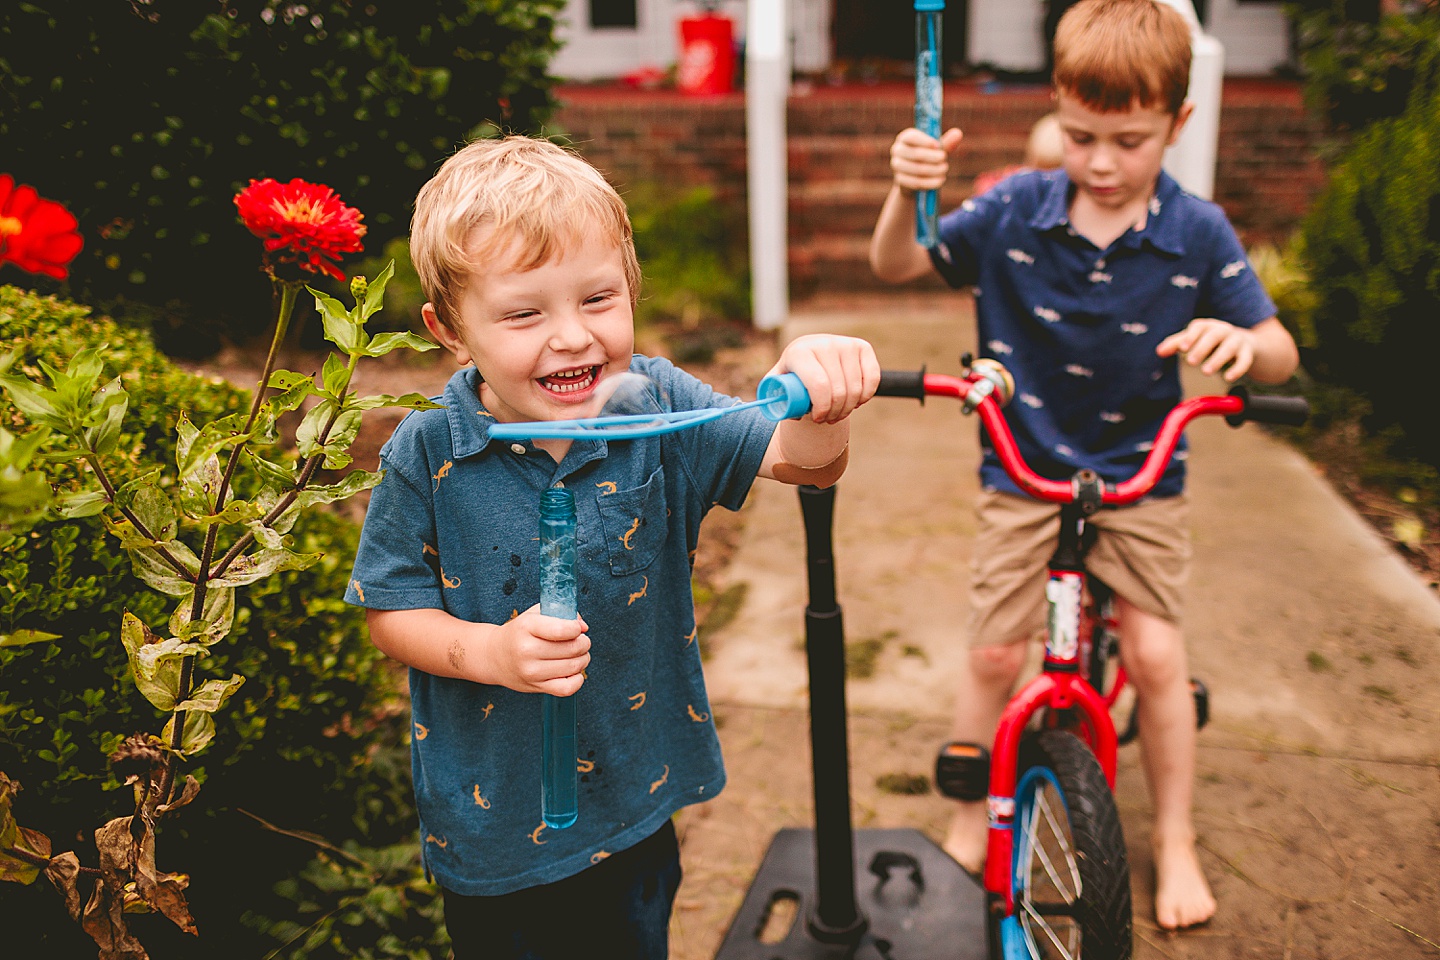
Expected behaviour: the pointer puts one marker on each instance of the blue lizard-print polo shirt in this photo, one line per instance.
(1077, 326)
(454, 526)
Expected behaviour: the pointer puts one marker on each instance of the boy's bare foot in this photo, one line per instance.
(965, 841)
(1182, 895)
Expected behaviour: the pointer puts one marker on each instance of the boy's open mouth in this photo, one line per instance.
(570, 381)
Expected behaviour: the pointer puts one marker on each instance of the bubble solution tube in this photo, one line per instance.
(558, 788)
(928, 86)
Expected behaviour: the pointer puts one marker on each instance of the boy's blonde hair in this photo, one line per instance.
(1112, 54)
(521, 189)
(1045, 150)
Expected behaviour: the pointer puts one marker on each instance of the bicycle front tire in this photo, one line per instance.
(1070, 875)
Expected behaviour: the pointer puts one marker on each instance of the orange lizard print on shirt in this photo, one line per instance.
(640, 697)
(480, 801)
(639, 593)
(441, 475)
(359, 592)
(442, 844)
(697, 717)
(584, 766)
(690, 637)
(485, 714)
(513, 614)
(451, 582)
(598, 856)
(535, 835)
(484, 413)
(625, 540)
(661, 782)
(421, 731)
(607, 486)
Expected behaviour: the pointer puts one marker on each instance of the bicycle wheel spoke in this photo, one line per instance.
(1062, 840)
(1068, 950)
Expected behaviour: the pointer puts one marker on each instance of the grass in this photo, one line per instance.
(904, 784)
(1317, 661)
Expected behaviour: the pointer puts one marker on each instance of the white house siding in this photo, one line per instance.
(1001, 33)
(1008, 34)
(590, 54)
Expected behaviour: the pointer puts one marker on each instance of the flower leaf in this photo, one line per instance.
(410, 401)
(199, 731)
(155, 663)
(215, 620)
(341, 329)
(262, 563)
(385, 342)
(107, 413)
(212, 694)
(271, 473)
(336, 376)
(75, 505)
(375, 292)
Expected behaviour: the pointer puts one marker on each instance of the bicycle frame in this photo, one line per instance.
(1061, 686)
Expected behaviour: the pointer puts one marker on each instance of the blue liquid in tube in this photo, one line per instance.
(559, 783)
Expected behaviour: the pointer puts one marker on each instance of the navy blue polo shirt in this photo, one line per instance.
(1077, 326)
(454, 526)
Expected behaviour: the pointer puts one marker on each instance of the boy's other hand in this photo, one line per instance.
(839, 373)
(1213, 345)
(919, 161)
(533, 653)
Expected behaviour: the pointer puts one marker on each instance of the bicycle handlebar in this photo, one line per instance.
(1237, 407)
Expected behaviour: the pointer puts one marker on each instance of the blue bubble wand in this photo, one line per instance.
(928, 91)
(781, 397)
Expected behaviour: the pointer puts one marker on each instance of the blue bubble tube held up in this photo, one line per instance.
(781, 397)
(558, 755)
(928, 87)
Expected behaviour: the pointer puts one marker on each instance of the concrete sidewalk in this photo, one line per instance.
(1318, 788)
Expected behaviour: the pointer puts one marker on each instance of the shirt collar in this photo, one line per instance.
(1163, 228)
(470, 423)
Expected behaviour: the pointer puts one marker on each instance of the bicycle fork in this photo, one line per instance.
(1059, 687)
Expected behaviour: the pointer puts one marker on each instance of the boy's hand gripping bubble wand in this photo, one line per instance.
(558, 804)
(927, 107)
(781, 397)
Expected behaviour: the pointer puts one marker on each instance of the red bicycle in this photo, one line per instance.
(1057, 878)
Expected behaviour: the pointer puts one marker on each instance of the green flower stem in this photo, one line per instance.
(307, 473)
(286, 293)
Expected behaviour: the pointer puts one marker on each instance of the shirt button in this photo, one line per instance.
(517, 448)
(559, 484)
(1100, 264)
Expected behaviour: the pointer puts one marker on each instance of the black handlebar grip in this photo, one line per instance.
(902, 383)
(1263, 408)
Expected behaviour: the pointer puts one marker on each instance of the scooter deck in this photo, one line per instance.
(919, 903)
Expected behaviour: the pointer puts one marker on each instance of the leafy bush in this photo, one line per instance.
(1360, 66)
(295, 752)
(168, 108)
(1372, 249)
(692, 254)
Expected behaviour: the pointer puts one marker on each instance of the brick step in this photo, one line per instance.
(840, 263)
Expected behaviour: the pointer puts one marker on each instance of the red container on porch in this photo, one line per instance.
(707, 55)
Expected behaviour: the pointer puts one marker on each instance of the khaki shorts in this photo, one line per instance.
(1142, 552)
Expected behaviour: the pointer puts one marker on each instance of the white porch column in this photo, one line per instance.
(1192, 160)
(767, 87)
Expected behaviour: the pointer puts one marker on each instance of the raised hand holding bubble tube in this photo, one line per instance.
(928, 90)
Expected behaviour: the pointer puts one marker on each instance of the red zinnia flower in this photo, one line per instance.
(36, 234)
(301, 223)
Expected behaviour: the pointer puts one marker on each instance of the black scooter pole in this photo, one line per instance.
(836, 918)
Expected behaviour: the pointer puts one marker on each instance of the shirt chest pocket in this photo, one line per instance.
(635, 524)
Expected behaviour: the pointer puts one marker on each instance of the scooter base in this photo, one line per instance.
(940, 917)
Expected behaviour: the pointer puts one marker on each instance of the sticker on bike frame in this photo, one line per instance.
(1064, 592)
(1001, 810)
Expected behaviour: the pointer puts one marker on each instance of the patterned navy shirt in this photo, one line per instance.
(455, 526)
(1077, 326)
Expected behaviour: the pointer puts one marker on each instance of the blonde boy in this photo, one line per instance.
(526, 256)
(1091, 282)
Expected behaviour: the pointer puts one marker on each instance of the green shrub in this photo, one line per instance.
(1372, 248)
(295, 746)
(1360, 66)
(692, 254)
(145, 118)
